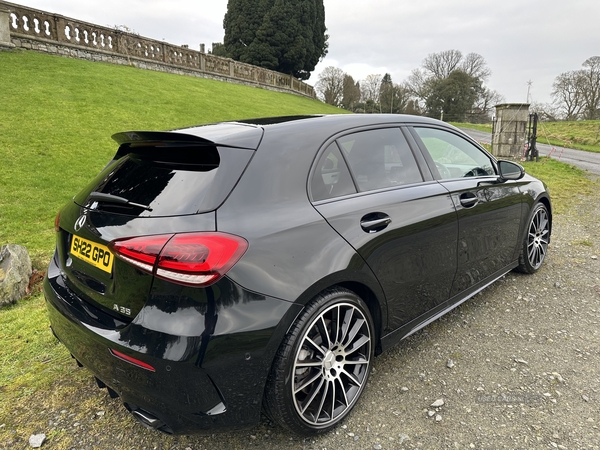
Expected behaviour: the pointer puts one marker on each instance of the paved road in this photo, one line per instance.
(585, 160)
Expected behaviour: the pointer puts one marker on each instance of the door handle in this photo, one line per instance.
(374, 222)
(468, 199)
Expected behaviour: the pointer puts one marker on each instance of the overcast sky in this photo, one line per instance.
(521, 40)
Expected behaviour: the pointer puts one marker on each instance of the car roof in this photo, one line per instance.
(248, 133)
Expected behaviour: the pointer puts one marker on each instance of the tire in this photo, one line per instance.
(321, 369)
(535, 242)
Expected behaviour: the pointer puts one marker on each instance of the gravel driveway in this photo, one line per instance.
(516, 367)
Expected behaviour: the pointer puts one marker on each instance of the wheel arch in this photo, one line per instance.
(369, 297)
(545, 200)
(366, 287)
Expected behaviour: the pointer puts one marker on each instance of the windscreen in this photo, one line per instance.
(166, 180)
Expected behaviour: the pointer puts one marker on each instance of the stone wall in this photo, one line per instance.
(28, 28)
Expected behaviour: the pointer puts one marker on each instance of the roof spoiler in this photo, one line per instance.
(148, 137)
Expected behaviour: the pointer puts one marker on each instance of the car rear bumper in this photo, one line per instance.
(214, 379)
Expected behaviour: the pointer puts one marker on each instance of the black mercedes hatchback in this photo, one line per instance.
(209, 273)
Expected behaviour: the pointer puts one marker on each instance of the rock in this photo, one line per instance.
(438, 418)
(36, 440)
(585, 398)
(438, 403)
(558, 377)
(377, 447)
(15, 271)
(431, 413)
(450, 364)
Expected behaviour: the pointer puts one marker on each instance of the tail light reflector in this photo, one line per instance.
(130, 360)
(57, 223)
(193, 259)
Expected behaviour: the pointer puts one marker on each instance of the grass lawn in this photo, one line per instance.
(580, 135)
(57, 116)
(56, 119)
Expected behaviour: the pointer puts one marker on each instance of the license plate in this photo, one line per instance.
(93, 253)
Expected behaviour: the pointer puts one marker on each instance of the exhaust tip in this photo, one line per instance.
(148, 420)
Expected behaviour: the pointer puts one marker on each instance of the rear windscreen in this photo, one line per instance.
(166, 181)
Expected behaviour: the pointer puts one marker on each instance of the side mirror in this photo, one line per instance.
(510, 171)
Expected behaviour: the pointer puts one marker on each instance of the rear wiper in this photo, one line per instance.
(109, 198)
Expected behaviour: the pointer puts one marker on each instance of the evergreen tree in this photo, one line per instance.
(351, 93)
(453, 97)
(242, 19)
(283, 35)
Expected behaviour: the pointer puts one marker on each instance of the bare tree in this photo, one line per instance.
(484, 105)
(330, 85)
(591, 75)
(474, 65)
(440, 65)
(576, 94)
(568, 94)
(547, 112)
(419, 83)
(369, 91)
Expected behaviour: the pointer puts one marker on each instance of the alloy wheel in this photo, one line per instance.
(332, 364)
(537, 241)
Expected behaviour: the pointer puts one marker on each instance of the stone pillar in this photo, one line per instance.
(510, 130)
(5, 28)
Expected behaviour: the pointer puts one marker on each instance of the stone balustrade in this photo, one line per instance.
(24, 27)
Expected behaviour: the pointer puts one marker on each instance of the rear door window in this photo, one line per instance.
(332, 177)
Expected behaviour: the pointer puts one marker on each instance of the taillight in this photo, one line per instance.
(193, 259)
(141, 252)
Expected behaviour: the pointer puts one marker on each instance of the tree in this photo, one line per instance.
(330, 85)
(441, 65)
(369, 92)
(393, 98)
(241, 21)
(484, 106)
(567, 93)
(474, 65)
(577, 93)
(547, 112)
(433, 83)
(453, 97)
(288, 36)
(351, 93)
(218, 49)
(591, 76)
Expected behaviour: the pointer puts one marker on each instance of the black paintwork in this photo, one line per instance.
(412, 252)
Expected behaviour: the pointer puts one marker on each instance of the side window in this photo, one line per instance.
(332, 177)
(380, 159)
(454, 156)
